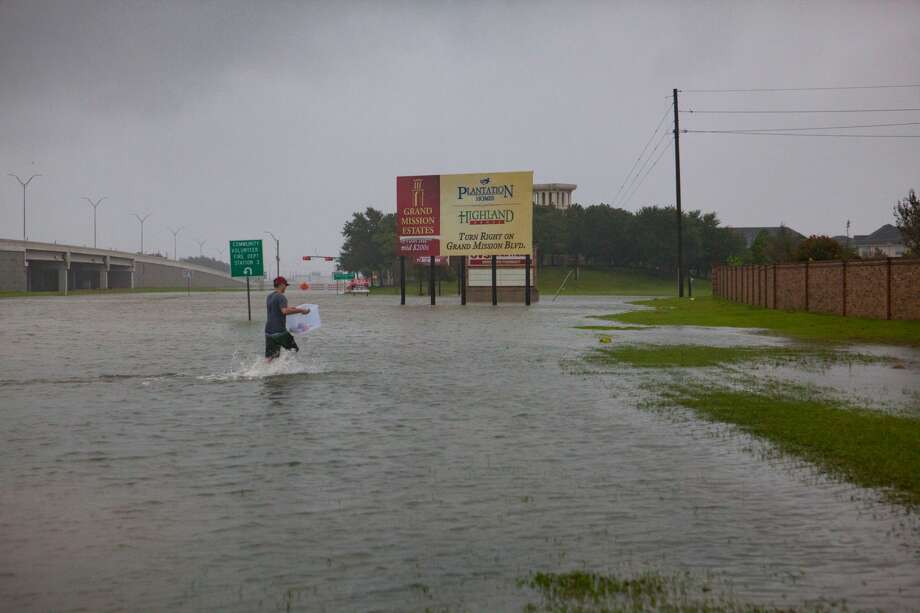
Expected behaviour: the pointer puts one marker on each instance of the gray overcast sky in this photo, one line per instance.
(231, 118)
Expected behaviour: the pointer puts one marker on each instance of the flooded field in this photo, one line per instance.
(407, 458)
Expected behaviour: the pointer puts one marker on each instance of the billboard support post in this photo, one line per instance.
(463, 280)
(494, 280)
(527, 280)
(245, 261)
(431, 278)
(402, 280)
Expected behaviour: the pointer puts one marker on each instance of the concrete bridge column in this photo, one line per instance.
(104, 273)
(62, 277)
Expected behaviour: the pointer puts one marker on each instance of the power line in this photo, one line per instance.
(865, 125)
(710, 112)
(796, 89)
(648, 172)
(630, 187)
(629, 174)
(751, 133)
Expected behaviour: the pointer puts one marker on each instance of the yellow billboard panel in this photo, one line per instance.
(487, 214)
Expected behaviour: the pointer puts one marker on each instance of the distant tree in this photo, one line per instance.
(907, 218)
(759, 248)
(718, 244)
(550, 231)
(819, 248)
(735, 260)
(782, 247)
(370, 243)
(576, 237)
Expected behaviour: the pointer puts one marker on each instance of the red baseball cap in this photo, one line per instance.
(280, 281)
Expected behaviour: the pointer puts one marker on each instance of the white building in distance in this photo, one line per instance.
(558, 195)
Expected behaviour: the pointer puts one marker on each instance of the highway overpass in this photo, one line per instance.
(34, 266)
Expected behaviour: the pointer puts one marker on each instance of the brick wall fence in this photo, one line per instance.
(875, 289)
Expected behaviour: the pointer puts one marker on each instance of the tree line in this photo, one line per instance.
(602, 235)
(645, 239)
(594, 235)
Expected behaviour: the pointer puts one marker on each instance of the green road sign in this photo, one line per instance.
(343, 276)
(246, 258)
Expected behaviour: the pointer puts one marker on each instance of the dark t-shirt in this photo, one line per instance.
(277, 320)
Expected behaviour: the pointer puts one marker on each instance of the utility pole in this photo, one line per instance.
(175, 233)
(277, 254)
(142, 220)
(680, 215)
(24, 185)
(94, 205)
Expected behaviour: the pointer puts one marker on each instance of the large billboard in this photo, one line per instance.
(477, 214)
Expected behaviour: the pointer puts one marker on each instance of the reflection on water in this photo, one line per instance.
(278, 389)
(407, 458)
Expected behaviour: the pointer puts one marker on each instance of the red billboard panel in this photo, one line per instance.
(418, 215)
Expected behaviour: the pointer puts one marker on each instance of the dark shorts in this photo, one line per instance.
(275, 342)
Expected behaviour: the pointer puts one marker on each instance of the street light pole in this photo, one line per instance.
(94, 205)
(277, 253)
(24, 185)
(142, 220)
(175, 233)
(201, 247)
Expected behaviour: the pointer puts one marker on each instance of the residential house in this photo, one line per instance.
(887, 241)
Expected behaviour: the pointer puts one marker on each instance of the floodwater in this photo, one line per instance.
(409, 457)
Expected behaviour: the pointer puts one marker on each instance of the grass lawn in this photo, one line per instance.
(106, 292)
(699, 356)
(708, 311)
(869, 448)
(583, 591)
(600, 281)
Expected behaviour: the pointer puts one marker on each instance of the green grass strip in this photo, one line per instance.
(714, 312)
(701, 356)
(611, 281)
(590, 592)
(868, 448)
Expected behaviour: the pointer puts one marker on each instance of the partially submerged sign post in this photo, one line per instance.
(341, 275)
(246, 261)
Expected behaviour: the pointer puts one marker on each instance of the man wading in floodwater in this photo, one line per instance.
(276, 334)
